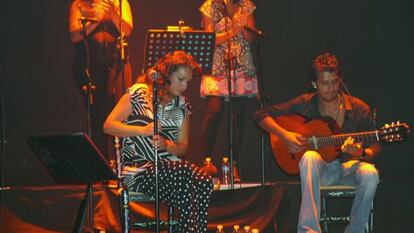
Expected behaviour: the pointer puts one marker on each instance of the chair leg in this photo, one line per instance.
(371, 219)
(369, 227)
(324, 214)
(125, 211)
(170, 218)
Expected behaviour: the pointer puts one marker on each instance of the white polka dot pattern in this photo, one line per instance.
(183, 186)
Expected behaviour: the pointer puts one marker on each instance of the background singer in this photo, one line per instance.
(228, 19)
(100, 21)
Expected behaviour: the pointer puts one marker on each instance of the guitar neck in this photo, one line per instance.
(339, 139)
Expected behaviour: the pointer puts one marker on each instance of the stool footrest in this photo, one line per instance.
(152, 224)
(338, 191)
(335, 219)
(338, 194)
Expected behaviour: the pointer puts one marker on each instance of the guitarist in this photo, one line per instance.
(352, 167)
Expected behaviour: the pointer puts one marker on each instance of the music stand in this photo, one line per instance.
(73, 159)
(199, 44)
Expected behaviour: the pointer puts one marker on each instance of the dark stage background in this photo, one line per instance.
(373, 39)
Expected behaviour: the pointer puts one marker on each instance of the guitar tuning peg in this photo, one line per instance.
(386, 125)
(398, 122)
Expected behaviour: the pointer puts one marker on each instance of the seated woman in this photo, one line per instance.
(181, 184)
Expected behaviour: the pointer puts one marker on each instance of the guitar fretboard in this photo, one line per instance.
(339, 139)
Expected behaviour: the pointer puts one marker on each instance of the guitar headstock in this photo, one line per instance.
(394, 132)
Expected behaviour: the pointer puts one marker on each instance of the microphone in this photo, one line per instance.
(255, 31)
(84, 20)
(153, 74)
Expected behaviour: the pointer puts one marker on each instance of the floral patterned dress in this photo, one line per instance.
(244, 80)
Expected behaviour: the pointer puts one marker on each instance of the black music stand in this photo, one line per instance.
(200, 44)
(73, 159)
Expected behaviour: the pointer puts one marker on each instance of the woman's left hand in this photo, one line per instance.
(111, 8)
(159, 142)
(240, 20)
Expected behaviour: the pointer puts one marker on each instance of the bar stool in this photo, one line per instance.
(340, 192)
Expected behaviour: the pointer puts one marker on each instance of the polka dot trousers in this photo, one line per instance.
(183, 186)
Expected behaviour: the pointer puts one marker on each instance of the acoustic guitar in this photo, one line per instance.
(323, 136)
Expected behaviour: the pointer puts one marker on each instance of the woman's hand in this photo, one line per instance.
(101, 10)
(239, 19)
(105, 10)
(160, 143)
(130, 171)
(148, 130)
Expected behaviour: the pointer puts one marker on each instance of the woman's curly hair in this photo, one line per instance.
(169, 64)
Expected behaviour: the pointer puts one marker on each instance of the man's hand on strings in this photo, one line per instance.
(352, 148)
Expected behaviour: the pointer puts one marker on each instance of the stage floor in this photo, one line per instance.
(271, 208)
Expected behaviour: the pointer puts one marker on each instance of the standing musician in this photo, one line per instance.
(182, 185)
(230, 21)
(95, 29)
(352, 167)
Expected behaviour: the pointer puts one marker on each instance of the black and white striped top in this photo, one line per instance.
(137, 150)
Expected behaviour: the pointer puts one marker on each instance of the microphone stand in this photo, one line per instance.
(89, 88)
(121, 46)
(230, 68)
(157, 199)
(261, 98)
(3, 142)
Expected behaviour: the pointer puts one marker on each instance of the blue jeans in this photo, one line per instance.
(314, 172)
